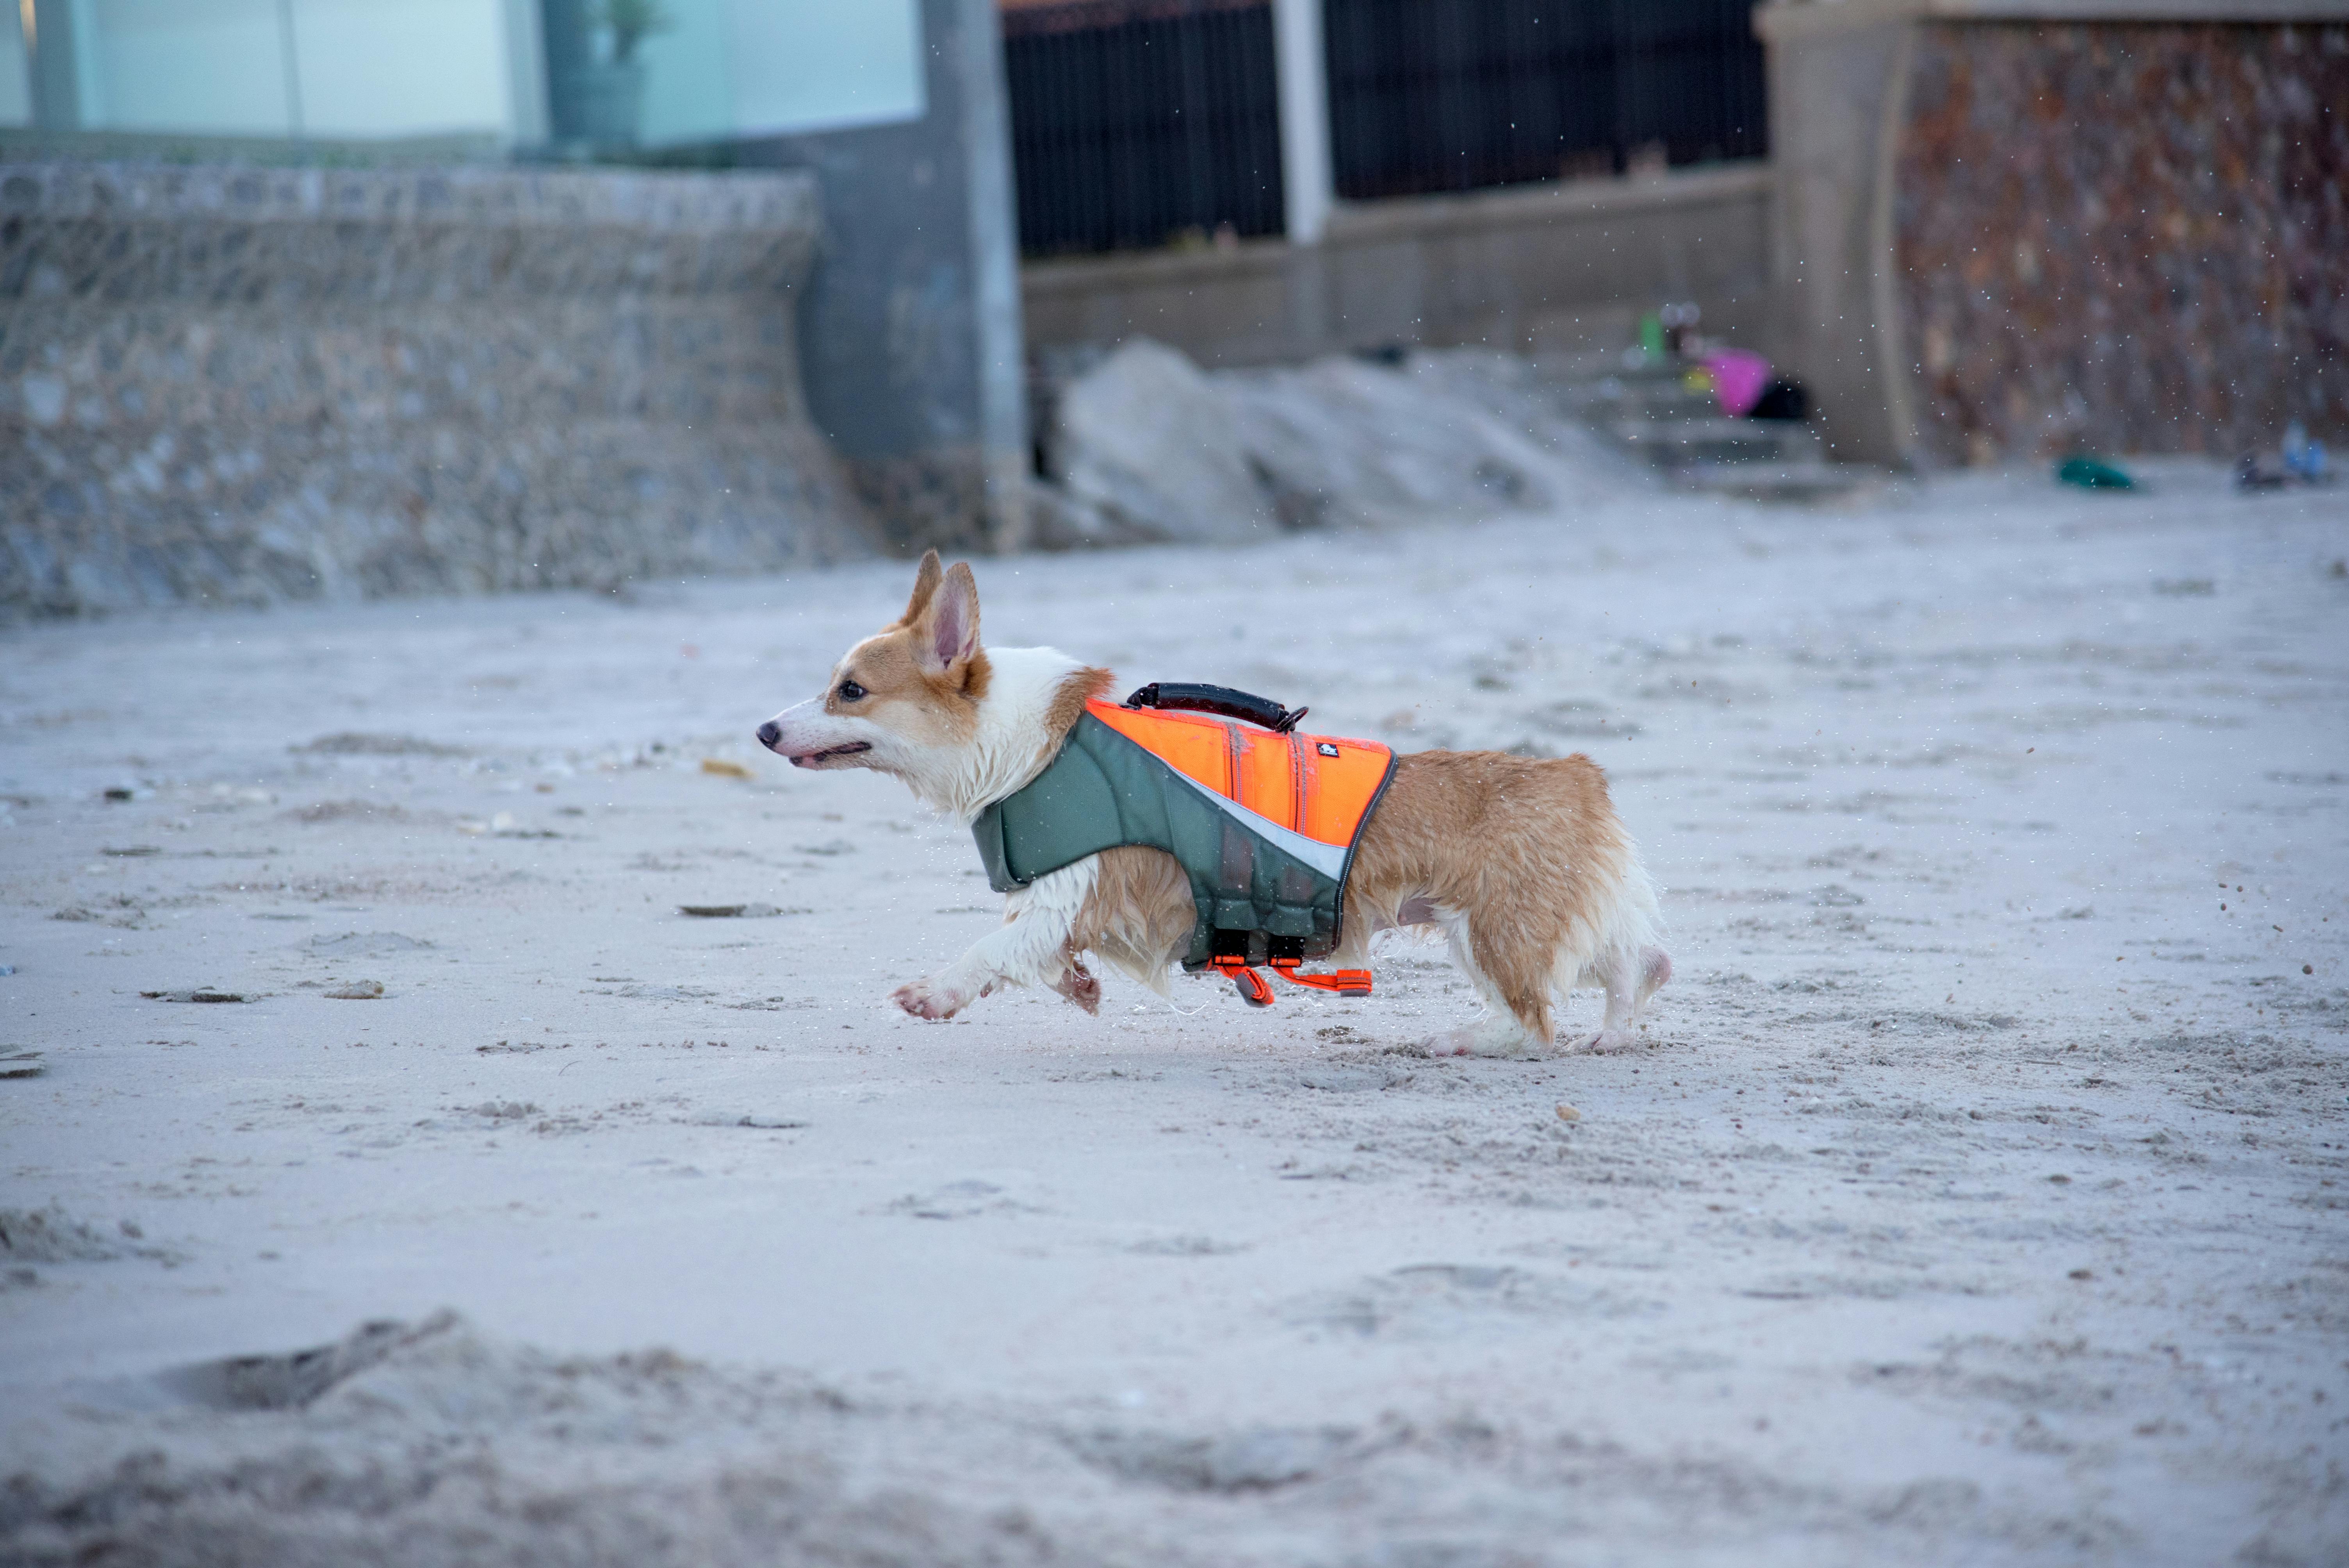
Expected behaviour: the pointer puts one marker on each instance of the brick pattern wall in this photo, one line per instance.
(241, 385)
(2125, 238)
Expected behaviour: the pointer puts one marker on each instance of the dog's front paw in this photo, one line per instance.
(931, 998)
(1607, 1040)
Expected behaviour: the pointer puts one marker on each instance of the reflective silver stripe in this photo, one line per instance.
(1297, 786)
(1329, 859)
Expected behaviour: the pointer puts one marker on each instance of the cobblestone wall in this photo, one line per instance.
(241, 385)
(2125, 238)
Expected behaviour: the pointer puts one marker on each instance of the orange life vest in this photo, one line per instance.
(1317, 784)
(1264, 822)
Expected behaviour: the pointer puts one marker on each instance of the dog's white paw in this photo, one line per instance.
(1610, 1040)
(1490, 1039)
(931, 998)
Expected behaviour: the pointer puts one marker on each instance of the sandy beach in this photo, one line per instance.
(1979, 1192)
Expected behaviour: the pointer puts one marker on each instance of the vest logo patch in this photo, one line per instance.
(1326, 749)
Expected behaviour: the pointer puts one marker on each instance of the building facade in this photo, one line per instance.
(826, 182)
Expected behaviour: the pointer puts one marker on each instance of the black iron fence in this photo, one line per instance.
(1453, 94)
(1136, 123)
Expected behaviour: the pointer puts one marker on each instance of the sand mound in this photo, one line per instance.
(1149, 448)
(430, 1443)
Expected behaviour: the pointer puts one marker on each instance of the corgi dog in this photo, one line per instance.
(1520, 864)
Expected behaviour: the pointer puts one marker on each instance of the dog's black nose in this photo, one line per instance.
(769, 732)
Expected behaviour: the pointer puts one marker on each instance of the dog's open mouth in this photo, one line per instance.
(812, 759)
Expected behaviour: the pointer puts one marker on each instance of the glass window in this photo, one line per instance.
(667, 73)
(15, 67)
(617, 73)
(827, 64)
(348, 68)
(216, 66)
(400, 67)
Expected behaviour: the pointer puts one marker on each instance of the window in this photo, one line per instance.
(665, 73)
(609, 75)
(334, 68)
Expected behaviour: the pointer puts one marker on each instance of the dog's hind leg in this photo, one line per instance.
(1630, 978)
(1655, 974)
(1032, 947)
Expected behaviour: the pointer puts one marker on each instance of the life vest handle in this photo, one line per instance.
(1223, 701)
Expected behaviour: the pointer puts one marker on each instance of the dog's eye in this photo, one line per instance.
(851, 692)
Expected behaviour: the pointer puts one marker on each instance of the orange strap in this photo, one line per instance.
(1257, 993)
(1252, 988)
(1343, 982)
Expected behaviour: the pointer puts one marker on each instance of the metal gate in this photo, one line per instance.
(1136, 124)
(1453, 94)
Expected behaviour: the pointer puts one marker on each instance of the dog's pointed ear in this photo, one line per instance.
(948, 633)
(926, 578)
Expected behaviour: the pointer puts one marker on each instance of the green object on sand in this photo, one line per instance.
(2088, 473)
(1651, 336)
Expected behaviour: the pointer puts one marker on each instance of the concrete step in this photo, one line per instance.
(1717, 438)
(1798, 484)
(1646, 408)
(1611, 400)
(1590, 370)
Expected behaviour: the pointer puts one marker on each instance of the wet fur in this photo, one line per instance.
(1520, 864)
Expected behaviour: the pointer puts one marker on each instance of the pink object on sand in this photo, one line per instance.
(1738, 378)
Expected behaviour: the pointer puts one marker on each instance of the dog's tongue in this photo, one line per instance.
(809, 759)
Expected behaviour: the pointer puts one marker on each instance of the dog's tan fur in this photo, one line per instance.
(1530, 850)
(1521, 864)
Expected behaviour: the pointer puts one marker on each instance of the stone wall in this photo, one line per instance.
(234, 384)
(2125, 238)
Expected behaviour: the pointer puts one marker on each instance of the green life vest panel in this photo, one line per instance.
(1261, 889)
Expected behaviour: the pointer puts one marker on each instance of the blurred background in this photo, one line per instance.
(352, 297)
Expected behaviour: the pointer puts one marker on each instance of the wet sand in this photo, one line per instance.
(1979, 1192)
